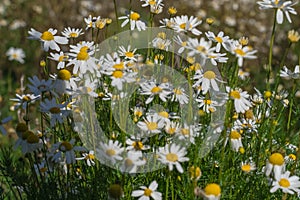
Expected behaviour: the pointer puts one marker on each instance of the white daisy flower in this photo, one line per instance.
(89, 157)
(179, 95)
(152, 124)
(28, 141)
(282, 6)
(16, 54)
(181, 43)
(48, 39)
(188, 132)
(152, 89)
(207, 105)
(206, 80)
(240, 98)
(285, 182)
(212, 191)
(286, 73)
(24, 100)
(72, 32)
(172, 128)
(134, 19)
(275, 163)
(132, 161)
(90, 22)
(136, 144)
(248, 166)
(162, 44)
(242, 52)
(200, 47)
(61, 58)
(184, 24)
(173, 155)
(110, 151)
(146, 192)
(128, 54)
(236, 140)
(243, 74)
(37, 86)
(220, 39)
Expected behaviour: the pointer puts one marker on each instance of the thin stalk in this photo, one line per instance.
(291, 106)
(116, 13)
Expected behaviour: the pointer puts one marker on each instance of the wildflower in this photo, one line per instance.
(248, 167)
(240, 98)
(67, 149)
(243, 74)
(16, 54)
(61, 58)
(200, 47)
(89, 157)
(207, 80)
(286, 73)
(236, 140)
(242, 52)
(209, 21)
(179, 95)
(172, 10)
(162, 44)
(38, 86)
(195, 172)
(156, 6)
(132, 161)
(134, 19)
(55, 110)
(151, 124)
(212, 191)
(208, 105)
(136, 144)
(115, 191)
(28, 141)
(153, 89)
(172, 128)
(220, 39)
(48, 39)
(146, 192)
(293, 36)
(185, 24)
(110, 151)
(281, 7)
(24, 100)
(72, 32)
(285, 182)
(4, 121)
(275, 163)
(173, 155)
(181, 43)
(90, 22)
(128, 54)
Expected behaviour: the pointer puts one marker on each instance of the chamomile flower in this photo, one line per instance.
(90, 22)
(247, 167)
(207, 105)
(206, 80)
(173, 155)
(181, 43)
(162, 44)
(146, 192)
(285, 182)
(236, 140)
(152, 124)
(128, 54)
(179, 95)
(188, 132)
(220, 39)
(243, 74)
(55, 110)
(200, 47)
(281, 6)
(286, 73)
(38, 86)
(172, 128)
(28, 141)
(136, 144)
(240, 98)
(24, 100)
(242, 52)
(61, 58)
(185, 24)
(133, 18)
(48, 39)
(152, 89)
(212, 191)
(89, 157)
(276, 164)
(16, 54)
(132, 161)
(110, 151)
(72, 32)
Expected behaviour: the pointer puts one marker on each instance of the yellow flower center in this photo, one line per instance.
(293, 36)
(156, 90)
(26, 98)
(235, 135)
(119, 66)
(240, 52)
(83, 55)
(62, 58)
(64, 75)
(235, 94)
(54, 110)
(219, 39)
(177, 91)
(164, 114)
(152, 126)
(207, 101)
(210, 21)
(268, 94)
(128, 162)
(292, 156)
(138, 145)
(182, 26)
(90, 157)
(65, 146)
(138, 113)
(195, 172)
(212, 189)
(14, 55)
(276, 2)
(276, 159)
(201, 49)
(26, 134)
(147, 192)
(32, 139)
(172, 157)
(129, 54)
(209, 75)
(246, 168)
(117, 74)
(47, 36)
(101, 23)
(73, 35)
(171, 130)
(135, 16)
(172, 10)
(110, 152)
(185, 131)
(152, 2)
(284, 183)
(84, 48)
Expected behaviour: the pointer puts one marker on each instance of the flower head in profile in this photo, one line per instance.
(133, 18)
(275, 163)
(240, 98)
(186, 24)
(110, 151)
(48, 39)
(212, 191)
(286, 73)
(146, 192)
(16, 54)
(72, 32)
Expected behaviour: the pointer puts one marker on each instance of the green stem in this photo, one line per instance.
(291, 106)
(116, 13)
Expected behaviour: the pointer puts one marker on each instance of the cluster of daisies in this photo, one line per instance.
(82, 71)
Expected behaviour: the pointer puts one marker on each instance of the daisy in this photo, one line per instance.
(61, 58)
(151, 2)
(136, 144)
(152, 89)
(146, 192)
(157, 7)
(132, 161)
(66, 149)
(240, 98)
(172, 155)
(236, 140)
(90, 22)
(172, 128)
(38, 86)
(243, 74)
(4, 121)
(134, 19)
(281, 6)
(89, 157)
(16, 54)
(119, 77)
(207, 105)
(188, 132)
(24, 100)
(212, 191)
(179, 95)
(276, 164)
(286, 73)
(181, 43)
(48, 39)
(195, 173)
(110, 151)
(220, 39)
(217, 57)
(206, 80)
(28, 141)
(162, 44)
(248, 167)
(128, 54)
(152, 124)
(285, 182)
(293, 36)
(55, 110)
(184, 24)
(200, 47)
(72, 32)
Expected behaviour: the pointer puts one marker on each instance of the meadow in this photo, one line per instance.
(149, 99)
